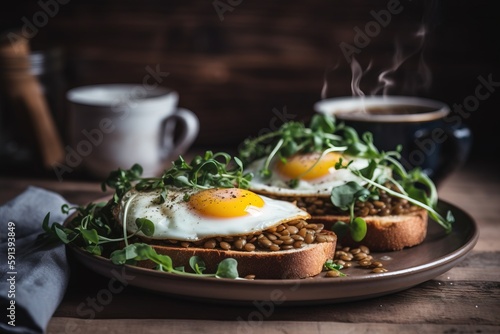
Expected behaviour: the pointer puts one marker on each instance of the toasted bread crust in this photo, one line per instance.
(285, 264)
(385, 233)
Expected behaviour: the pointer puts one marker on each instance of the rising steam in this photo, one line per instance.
(324, 89)
(357, 74)
(419, 78)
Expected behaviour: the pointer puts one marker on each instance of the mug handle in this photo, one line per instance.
(173, 147)
(455, 150)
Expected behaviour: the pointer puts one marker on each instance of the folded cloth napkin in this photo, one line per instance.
(32, 282)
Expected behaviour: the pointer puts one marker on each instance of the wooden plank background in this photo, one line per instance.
(268, 55)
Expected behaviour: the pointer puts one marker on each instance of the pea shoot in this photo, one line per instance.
(330, 265)
(291, 138)
(207, 171)
(227, 268)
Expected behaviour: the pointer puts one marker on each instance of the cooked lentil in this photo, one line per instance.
(332, 273)
(293, 234)
(384, 206)
(346, 256)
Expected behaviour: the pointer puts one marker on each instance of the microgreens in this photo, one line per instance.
(207, 171)
(227, 268)
(91, 227)
(91, 230)
(330, 265)
(94, 228)
(324, 135)
(291, 138)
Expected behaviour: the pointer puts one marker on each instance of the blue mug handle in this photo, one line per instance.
(452, 152)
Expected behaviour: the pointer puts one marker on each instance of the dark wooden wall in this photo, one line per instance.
(270, 55)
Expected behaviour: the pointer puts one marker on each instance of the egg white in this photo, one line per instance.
(277, 184)
(175, 219)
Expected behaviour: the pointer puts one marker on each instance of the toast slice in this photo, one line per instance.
(294, 263)
(384, 233)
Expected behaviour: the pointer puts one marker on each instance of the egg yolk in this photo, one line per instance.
(300, 166)
(224, 203)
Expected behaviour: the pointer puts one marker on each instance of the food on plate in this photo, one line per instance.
(343, 181)
(199, 214)
(347, 257)
(268, 238)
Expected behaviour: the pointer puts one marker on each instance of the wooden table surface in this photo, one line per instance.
(466, 299)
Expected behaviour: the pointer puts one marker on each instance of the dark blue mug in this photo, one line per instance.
(429, 139)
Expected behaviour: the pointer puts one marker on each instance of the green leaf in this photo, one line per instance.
(136, 170)
(131, 253)
(356, 149)
(94, 249)
(146, 252)
(322, 123)
(136, 252)
(417, 194)
(197, 264)
(45, 223)
(90, 236)
(344, 195)
(163, 260)
(146, 226)
(358, 229)
(227, 268)
(60, 233)
(140, 251)
(362, 195)
(330, 265)
(369, 170)
(118, 257)
(239, 163)
(289, 148)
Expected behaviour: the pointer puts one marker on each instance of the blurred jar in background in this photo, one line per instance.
(49, 67)
(18, 148)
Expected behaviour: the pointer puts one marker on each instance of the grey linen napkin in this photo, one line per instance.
(37, 280)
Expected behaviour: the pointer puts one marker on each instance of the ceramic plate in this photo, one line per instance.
(407, 268)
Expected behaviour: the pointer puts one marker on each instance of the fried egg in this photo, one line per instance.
(191, 215)
(316, 174)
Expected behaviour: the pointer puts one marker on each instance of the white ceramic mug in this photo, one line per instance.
(117, 125)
